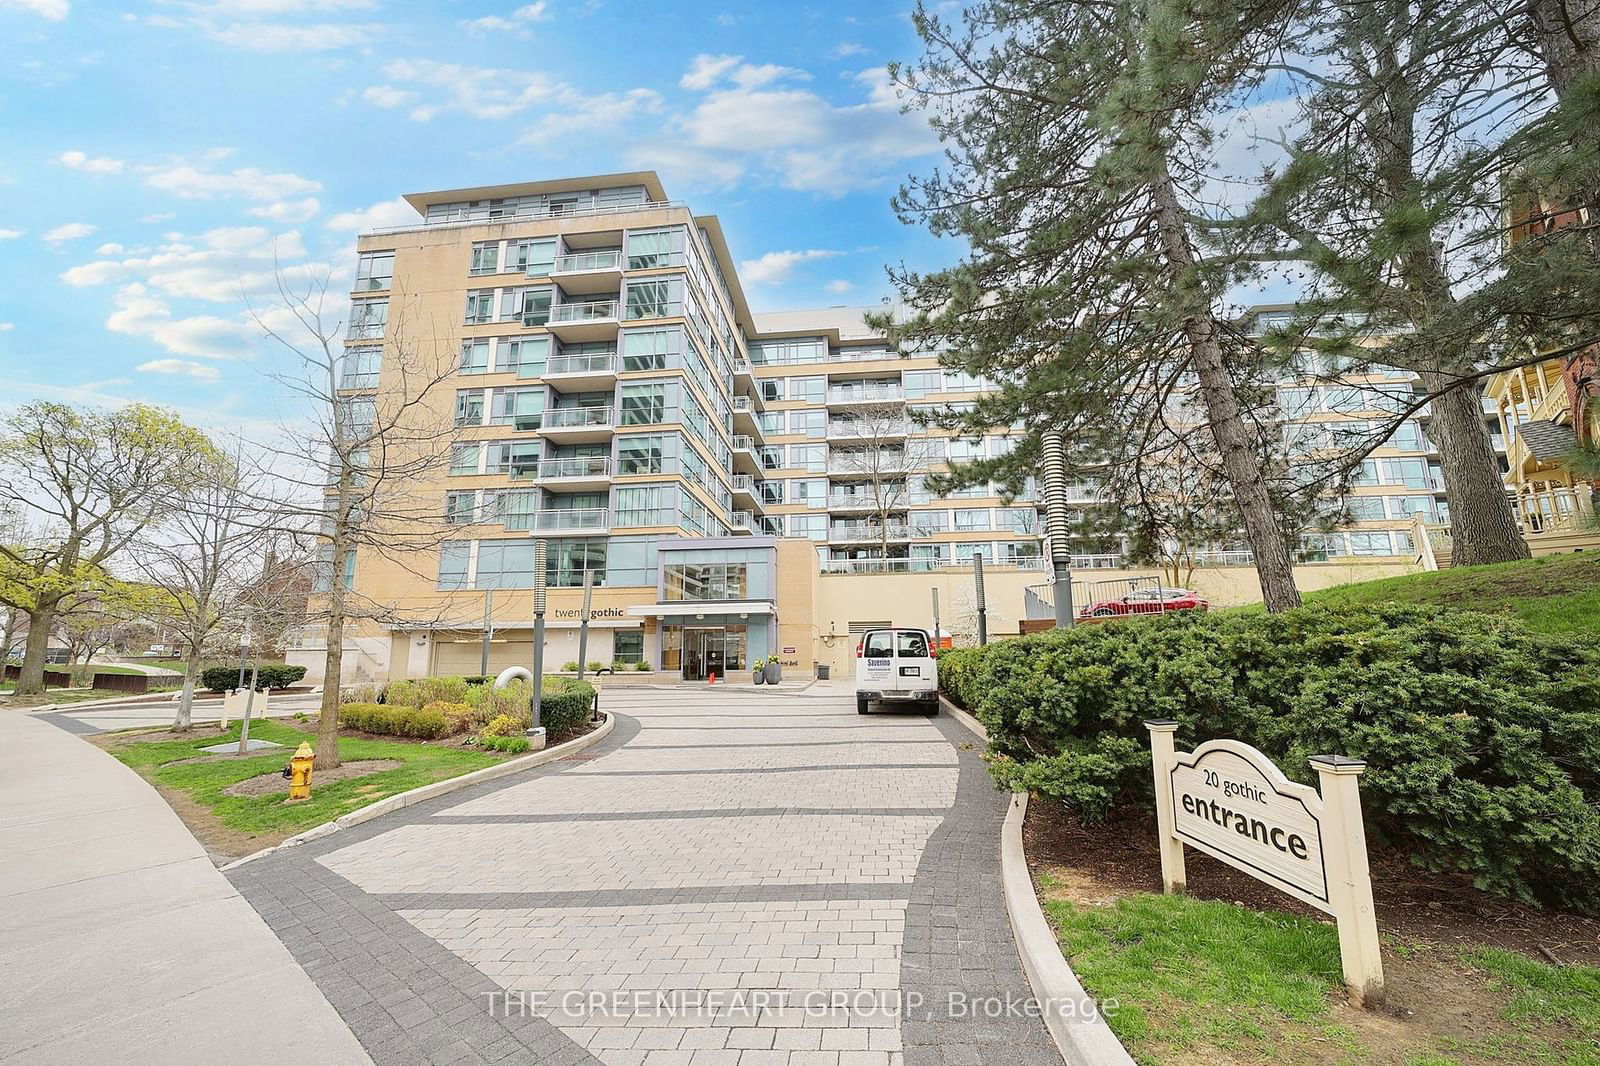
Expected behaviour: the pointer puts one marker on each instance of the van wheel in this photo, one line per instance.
(861, 705)
(931, 707)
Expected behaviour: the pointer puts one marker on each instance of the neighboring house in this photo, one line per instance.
(1545, 412)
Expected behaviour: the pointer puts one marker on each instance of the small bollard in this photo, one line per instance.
(299, 772)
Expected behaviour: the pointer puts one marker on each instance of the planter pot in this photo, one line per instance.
(760, 677)
(774, 673)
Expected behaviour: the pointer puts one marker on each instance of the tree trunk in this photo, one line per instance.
(191, 670)
(31, 681)
(332, 671)
(1235, 439)
(1483, 526)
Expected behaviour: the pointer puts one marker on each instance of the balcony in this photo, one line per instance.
(869, 534)
(868, 429)
(578, 473)
(746, 459)
(743, 522)
(586, 372)
(747, 491)
(578, 424)
(743, 372)
(862, 501)
(862, 463)
(576, 521)
(865, 395)
(589, 272)
(585, 320)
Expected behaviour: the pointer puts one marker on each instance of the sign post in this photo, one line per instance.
(1230, 801)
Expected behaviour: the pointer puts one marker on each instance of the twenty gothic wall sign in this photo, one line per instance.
(1230, 801)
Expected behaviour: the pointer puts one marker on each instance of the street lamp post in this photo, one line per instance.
(488, 632)
(983, 610)
(1055, 509)
(936, 619)
(535, 728)
(583, 621)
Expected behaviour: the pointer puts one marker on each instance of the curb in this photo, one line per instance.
(1070, 1014)
(438, 788)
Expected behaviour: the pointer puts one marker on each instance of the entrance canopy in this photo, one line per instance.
(692, 610)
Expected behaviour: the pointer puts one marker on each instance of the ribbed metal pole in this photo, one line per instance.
(936, 619)
(983, 610)
(488, 631)
(1055, 511)
(583, 620)
(540, 553)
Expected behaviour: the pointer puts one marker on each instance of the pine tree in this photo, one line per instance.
(1076, 138)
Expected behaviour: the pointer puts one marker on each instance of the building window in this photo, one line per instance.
(925, 522)
(646, 505)
(654, 299)
(367, 319)
(469, 407)
(643, 405)
(706, 581)
(359, 368)
(570, 558)
(771, 389)
(641, 455)
(1369, 544)
(505, 564)
(520, 457)
(536, 306)
(525, 355)
(533, 258)
(480, 307)
(460, 508)
(919, 383)
(652, 248)
(464, 458)
(474, 357)
(649, 349)
(374, 270)
(814, 526)
(972, 518)
(453, 556)
(1364, 508)
(521, 408)
(485, 258)
(627, 646)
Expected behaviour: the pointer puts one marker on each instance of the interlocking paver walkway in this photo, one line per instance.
(731, 879)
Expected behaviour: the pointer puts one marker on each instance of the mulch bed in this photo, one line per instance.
(1119, 857)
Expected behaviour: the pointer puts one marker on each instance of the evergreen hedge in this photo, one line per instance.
(424, 723)
(268, 675)
(1482, 739)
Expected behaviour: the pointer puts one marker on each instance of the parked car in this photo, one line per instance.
(1144, 601)
(896, 666)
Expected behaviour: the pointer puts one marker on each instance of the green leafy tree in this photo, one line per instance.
(84, 485)
(1077, 136)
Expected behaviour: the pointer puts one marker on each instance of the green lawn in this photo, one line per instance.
(205, 781)
(1557, 594)
(1197, 980)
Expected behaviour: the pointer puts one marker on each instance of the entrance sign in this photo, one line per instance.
(1230, 801)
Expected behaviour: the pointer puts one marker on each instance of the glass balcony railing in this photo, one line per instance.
(869, 533)
(744, 442)
(577, 417)
(744, 483)
(579, 466)
(580, 262)
(583, 311)
(866, 394)
(861, 428)
(585, 363)
(568, 520)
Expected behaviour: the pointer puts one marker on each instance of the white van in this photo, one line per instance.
(896, 666)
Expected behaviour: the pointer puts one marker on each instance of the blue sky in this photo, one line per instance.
(154, 156)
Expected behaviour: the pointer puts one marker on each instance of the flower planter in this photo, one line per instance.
(774, 673)
(760, 677)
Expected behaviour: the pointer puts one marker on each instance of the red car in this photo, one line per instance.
(1144, 601)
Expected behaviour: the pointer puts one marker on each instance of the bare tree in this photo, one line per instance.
(880, 448)
(90, 482)
(351, 477)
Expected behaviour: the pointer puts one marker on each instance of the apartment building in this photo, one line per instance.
(712, 472)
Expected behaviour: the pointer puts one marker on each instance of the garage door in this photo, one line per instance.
(465, 656)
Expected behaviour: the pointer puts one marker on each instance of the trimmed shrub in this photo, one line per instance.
(565, 704)
(441, 690)
(570, 666)
(510, 745)
(401, 694)
(594, 666)
(489, 702)
(389, 720)
(642, 666)
(279, 675)
(504, 725)
(458, 716)
(268, 675)
(1482, 739)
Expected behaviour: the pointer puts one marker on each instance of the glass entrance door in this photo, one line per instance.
(712, 650)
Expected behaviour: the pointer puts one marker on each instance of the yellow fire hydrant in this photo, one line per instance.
(299, 772)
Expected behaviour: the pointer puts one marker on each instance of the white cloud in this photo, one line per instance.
(706, 71)
(394, 212)
(193, 183)
(263, 8)
(69, 231)
(227, 264)
(100, 272)
(290, 211)
(388, 96)
(159, 216)
(515, 23)
(595, 112)
(111, 248)
(140, 314)
(7, 327)
(499, 94)
(92, 164)
(10, 234)
(775, 267)
(54, 10)
(848, 48)
(198, 371)
(838, 285)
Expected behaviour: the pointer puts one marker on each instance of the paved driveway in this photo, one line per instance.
(150, 714)
(731, 879)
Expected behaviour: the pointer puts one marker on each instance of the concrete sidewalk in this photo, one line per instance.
(119, 941)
